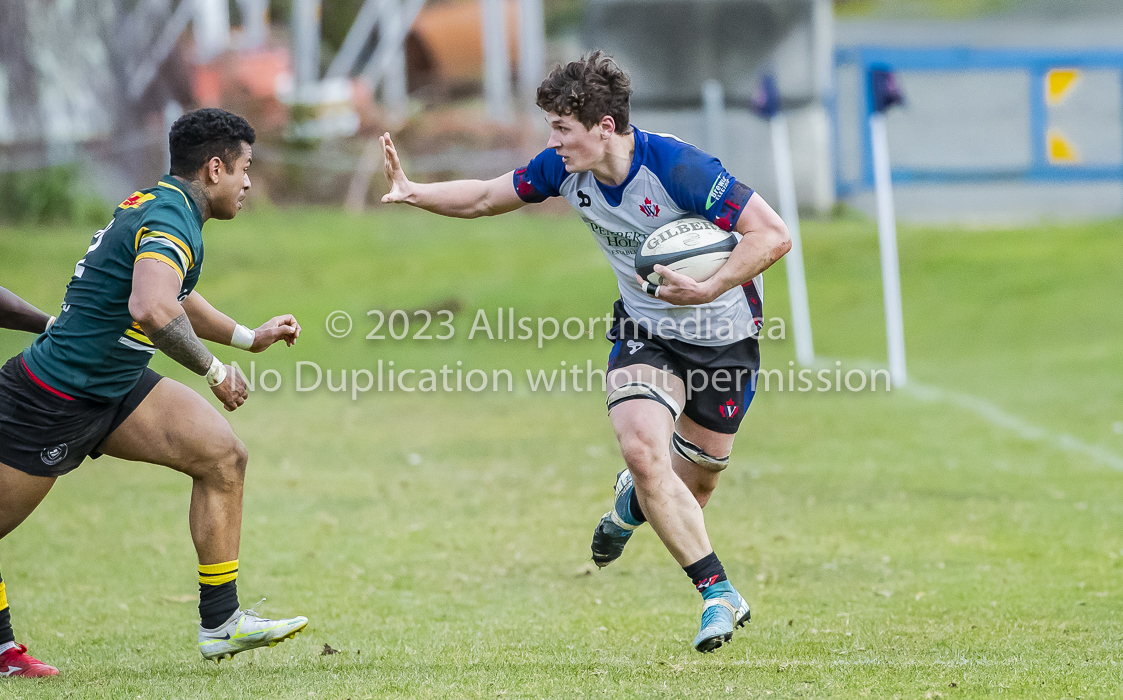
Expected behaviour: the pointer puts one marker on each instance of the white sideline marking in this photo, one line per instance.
(1024, 429)
(796, 664)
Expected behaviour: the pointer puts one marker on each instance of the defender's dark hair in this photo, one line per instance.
(588, 89)
(198, 136)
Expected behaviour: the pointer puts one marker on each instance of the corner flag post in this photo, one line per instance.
(884, 93)
(767, 105)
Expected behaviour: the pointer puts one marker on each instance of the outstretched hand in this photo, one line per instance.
(275, 329)
(400, 186)
(680, 290)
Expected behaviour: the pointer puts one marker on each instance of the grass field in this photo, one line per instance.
(958, 539)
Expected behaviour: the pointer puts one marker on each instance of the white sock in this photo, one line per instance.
(6, 646)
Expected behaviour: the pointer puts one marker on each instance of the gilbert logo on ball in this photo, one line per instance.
(693, 247)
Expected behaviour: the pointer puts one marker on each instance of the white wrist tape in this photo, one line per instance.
(217, 373)
(243, 337)
(51, 321)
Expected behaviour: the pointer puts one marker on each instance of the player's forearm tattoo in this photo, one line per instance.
(179, 342)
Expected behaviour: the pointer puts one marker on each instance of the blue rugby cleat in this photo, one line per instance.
(616, 526)
(723, 611)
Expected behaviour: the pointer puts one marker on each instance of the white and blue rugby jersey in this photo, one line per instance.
(669, 180)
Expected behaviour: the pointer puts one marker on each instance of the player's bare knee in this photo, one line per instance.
(233, 464)
(223, 465)
(644, 454)
(702, 492)
(638, 456)
(239, 458)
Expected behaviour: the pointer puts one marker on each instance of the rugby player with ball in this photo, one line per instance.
(630, 186)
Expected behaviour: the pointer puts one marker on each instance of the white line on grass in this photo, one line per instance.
(1024, 429)
(785, 664)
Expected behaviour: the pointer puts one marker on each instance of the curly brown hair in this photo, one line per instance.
(588, 89)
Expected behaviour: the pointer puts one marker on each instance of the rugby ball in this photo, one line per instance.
(693, 247)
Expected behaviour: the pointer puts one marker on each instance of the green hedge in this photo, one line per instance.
(49, 195)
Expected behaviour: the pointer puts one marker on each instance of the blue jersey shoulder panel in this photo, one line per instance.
(696, 181)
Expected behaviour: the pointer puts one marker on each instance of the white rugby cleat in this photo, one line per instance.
(247, 630)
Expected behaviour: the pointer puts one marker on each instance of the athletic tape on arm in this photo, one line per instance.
(217, 372)
(643, 390)
(243, 337)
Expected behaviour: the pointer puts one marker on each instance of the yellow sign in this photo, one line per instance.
(1059, 82)
(1059, 149)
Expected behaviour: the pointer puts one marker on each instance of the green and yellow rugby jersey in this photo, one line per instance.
(95, 350)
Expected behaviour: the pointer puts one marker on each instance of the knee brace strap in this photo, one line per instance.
(691, 452)
(643, 390)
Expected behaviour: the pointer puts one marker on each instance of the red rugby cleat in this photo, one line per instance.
(17, 662)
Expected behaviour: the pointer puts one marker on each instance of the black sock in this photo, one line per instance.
(636, 511)
(706, 572)
(6, 633)
(217, 603)
(218, 593)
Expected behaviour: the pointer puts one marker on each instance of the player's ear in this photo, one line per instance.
(608, 126)
(212, 169)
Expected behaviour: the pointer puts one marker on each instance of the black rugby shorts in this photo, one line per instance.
(43, 432)
(719, 380)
